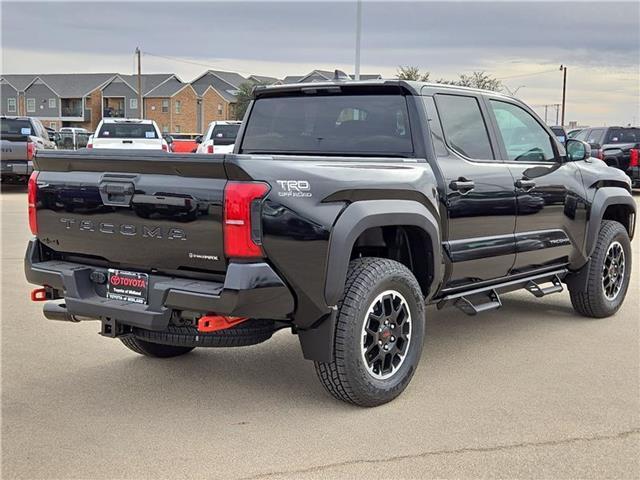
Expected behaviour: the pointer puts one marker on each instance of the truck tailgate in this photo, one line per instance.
(13, 149)
(133, 211)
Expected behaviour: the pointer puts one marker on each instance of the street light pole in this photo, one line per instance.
(564, 90)
(138, 53)
(358, 35)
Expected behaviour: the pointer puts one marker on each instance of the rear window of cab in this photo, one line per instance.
(127, 130)
(369, 125)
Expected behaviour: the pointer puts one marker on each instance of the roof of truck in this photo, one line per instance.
(413, 86)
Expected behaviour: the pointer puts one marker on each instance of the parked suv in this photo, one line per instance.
(619, 147)
(220, 137)
(20, 137)
(347, 207)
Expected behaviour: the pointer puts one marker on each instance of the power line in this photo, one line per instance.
(175, 59)
(527, 74)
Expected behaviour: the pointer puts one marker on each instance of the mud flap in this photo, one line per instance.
(317, 342)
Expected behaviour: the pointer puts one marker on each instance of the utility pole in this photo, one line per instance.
(557, 105)
(564, 90)
(358, 35)
(138, 53)
(545, 114)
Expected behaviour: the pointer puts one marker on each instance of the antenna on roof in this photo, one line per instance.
(340, 75)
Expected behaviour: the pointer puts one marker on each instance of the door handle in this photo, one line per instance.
(462, 185)
(525, 185)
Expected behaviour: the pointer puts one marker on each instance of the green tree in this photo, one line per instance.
(243, 98)
(409, 72)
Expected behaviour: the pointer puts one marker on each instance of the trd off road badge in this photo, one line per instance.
(294, 188)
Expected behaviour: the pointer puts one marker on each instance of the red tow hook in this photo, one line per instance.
(39, 295)
(214, 323)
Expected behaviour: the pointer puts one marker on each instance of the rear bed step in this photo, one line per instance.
(486, 298)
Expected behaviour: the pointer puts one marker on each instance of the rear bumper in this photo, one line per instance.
(16, 168)
(249, 290)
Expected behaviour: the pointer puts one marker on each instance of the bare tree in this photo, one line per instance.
(476, 80)
(409, 72)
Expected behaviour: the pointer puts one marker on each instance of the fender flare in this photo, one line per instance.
(604, 198)
(360, 216)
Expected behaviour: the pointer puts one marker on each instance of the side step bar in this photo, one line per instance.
(486, 298)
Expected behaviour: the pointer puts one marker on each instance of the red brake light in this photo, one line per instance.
(633, 157)
(31, 150)
(32, 198)
(164, 147)
(240, 235)
(89, 145)
(600, 154)
(209, 148)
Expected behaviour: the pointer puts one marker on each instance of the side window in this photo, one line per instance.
(582, 136)
(464, 127)
(595, 136)
(524, 138)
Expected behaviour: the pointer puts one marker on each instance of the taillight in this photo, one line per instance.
(32, 198)
(241, 234)
(164, 147)
(31, 150)
(633, 157)
(210, 149)
(89, 145)
(600, 154)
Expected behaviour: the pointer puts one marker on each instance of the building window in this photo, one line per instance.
(165, 129)
(31, 105)
(52, 103)
(178, 106)
(53, 125)
(165, 106)
(219, 109)
(133, 103)
(177, 128)
(11, 105)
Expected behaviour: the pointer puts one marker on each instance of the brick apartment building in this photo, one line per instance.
(83, 99)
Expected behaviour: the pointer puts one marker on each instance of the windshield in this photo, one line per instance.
(623, 135)
(14, 126)
(333, 125)
(127, 130)
(225, 134)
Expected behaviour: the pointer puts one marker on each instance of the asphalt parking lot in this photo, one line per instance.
(529, 391)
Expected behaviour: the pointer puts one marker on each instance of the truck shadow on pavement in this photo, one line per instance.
(231, 381)
(10, 188)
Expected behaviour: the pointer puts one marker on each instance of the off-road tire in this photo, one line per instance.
(151, 349)
(588, 298)
(251, 332)
(346, 377)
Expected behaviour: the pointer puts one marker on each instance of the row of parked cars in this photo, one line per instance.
(22, 136)
(618, 147)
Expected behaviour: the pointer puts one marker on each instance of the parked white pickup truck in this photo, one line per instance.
(129, 134)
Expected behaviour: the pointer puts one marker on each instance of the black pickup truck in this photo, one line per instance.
(618, 147)
(345, 207)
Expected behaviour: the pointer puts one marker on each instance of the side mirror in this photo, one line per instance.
(577, 150)
(168, 139)
(199, 139)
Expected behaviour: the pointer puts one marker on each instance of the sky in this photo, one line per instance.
(521, 43)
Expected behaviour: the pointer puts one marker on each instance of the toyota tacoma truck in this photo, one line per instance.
(343, 210)
(20, 137)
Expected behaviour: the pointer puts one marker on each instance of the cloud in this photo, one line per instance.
(600, 41)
